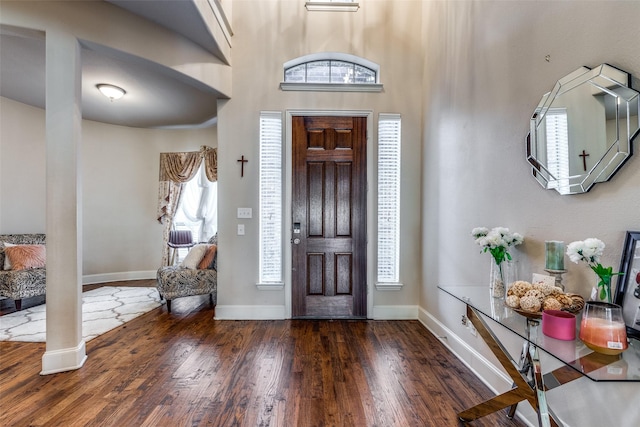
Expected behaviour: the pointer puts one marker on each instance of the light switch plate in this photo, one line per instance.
(240, 229)
(244, 213)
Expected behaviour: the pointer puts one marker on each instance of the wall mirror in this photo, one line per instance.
(582, 131)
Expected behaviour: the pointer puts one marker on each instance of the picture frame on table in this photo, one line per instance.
(627, 293)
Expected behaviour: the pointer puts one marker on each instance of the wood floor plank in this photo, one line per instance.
(186, 369)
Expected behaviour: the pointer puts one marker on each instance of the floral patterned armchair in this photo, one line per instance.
(19, 284)
(179, 281)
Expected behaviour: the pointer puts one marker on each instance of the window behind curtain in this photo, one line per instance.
(270, 197)
(198, 210)
(388, 198)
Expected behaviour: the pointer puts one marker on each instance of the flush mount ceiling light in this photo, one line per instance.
(332, 6)
(110, 91)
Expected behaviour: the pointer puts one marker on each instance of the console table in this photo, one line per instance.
(529, 382)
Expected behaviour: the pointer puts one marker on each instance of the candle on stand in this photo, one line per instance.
(555, 255)
(606, 335)
(602, 328)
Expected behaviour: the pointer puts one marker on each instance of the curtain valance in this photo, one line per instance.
(181, 167)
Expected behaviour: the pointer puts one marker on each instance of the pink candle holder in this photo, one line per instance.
(559, 324)
(602, 328)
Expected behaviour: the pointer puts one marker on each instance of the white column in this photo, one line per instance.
(65, 348)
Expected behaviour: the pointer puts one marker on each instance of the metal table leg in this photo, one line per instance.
(523, 389)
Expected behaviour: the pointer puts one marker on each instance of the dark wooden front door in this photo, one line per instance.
(329, 217)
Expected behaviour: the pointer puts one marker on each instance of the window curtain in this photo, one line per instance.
(198, 206)
(175, 170)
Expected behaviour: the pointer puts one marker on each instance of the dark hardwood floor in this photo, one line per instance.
(186, 369)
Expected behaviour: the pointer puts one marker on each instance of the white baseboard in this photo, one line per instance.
(492, 376)
(277, 312)
(395, 312)
(91, 279)
(66, 359)
(250, 312)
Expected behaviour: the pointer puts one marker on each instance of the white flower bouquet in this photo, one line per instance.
(590, 250)
(496, 241)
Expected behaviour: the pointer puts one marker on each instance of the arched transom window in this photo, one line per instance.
(331, 71)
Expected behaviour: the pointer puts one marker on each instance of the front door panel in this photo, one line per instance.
(329, 211)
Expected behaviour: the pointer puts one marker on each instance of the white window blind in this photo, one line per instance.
(558, 148)
(270, 197)
(388, 197)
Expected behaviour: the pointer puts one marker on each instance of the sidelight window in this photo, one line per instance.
(271, 258)
(388, 198)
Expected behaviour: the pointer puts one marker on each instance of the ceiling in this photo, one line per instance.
(157, 96)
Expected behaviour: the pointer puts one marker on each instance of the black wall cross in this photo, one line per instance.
(242, 162)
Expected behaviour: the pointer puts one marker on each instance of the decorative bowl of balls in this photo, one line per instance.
(531, 299)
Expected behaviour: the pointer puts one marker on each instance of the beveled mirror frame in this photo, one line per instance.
(591, 116)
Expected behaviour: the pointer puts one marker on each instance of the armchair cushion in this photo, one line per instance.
(209, 256)
(24, 257)
(6, 265)
(194, 256)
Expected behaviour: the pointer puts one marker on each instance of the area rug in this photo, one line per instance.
(103, 309)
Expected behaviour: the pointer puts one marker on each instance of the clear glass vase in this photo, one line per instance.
(500, 276)
(598, 295)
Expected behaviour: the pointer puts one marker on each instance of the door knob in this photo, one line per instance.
(296, 241)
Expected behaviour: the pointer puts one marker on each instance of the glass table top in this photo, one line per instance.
(574, 354)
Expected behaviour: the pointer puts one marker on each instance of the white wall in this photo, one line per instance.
(267, 34)
(121, 236)
(484, 73)
(121, 213)
(22, 168)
